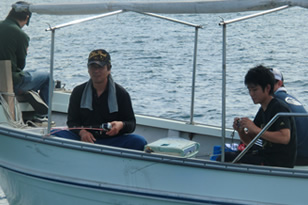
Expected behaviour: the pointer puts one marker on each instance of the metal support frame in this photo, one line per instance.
(197, 27)
(224, 67)
(223, 99)
(192, 105)
(51, 86)
(53, 29)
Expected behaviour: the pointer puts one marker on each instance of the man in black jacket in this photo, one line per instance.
(100, 101)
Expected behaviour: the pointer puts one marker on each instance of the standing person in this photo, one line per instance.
(295, 106)
(279, 142)
(99, 101)
(14, 45)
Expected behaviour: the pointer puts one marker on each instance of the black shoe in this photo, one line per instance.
(36, 102)
(42, 121)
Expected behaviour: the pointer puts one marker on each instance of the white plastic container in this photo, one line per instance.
(173, 146)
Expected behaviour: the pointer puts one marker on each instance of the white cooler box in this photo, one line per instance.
(173, 146)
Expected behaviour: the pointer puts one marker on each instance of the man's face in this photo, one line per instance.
(98, 73)
(257, 94)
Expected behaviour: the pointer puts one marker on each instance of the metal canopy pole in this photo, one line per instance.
(167, 18)
(255, 15)
(223, 100)
(84, 20)
(194, 77)
(51, 84)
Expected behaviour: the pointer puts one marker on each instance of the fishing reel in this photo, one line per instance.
(106, 126)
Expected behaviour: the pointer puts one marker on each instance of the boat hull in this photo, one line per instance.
(27, 189)
(49, 170)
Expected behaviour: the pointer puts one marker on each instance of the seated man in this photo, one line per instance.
(98, 101)
(296, 106)
(14, 46)
(279, 142)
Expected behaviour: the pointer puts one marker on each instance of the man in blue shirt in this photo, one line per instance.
(296, 106)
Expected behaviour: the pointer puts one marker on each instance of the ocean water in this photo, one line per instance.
(153, 59)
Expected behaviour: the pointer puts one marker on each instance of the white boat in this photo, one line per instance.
(38, 168)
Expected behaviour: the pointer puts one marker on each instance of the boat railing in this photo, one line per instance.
(266, 127)
(224, 24)
(54, 28)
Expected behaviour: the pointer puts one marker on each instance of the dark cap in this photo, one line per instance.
(100, 57)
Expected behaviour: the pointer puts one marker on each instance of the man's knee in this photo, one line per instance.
(135, 141)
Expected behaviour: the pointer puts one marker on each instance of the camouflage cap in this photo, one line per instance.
(100, 57)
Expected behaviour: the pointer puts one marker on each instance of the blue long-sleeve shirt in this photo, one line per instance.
(301, 122)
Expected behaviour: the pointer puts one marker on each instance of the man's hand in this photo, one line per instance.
(116, 126)
(246, 129)
(250, 126)
(86, 136)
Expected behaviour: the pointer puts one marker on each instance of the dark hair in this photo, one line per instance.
(20, 15)
(260, 75)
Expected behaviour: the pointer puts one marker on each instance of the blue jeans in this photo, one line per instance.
(37, 81)
(129, 141)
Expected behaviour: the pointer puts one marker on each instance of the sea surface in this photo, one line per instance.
(153, 58)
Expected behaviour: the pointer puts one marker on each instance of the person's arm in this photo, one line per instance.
(74, 118)
(21, 52)
(127, 121)
(281, 136)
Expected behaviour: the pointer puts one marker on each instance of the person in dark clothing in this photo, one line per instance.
(279, 142)
(14, 45)
(295, 106)
(99, 101)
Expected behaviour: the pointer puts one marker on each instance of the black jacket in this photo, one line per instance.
(78, 117)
